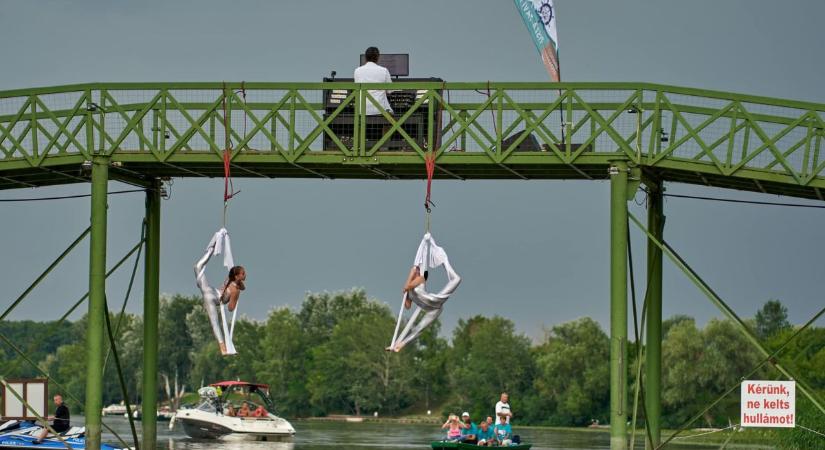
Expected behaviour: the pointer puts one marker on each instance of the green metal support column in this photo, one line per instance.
(97, 302)
(151, 289)
(653, 343)
(618, 305)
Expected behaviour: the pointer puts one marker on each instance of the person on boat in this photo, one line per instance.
(244, 411)
(229, 294)
(230, 410)
(469, 429)
(260, 411)
(503, 407)
(453, 427)
(61, 422)
(503, 432)
(484, 435)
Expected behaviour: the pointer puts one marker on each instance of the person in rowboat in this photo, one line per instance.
(503, 432)
(485, 435)
(453, 427)
(469, 429)
(503, 407)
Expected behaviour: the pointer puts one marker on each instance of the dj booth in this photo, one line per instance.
(401, 102)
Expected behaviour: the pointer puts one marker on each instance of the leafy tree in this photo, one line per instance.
(488, 357)
(320, 312)
(675, 319)
(67, 366)
(698, 366)
(174, 343)
(808, 416)
(352, 372)
(130, 349)
(36, 339)
(128, 341)
(282, 355)
(771, 318)
(574, 373)
(681, 354)
(431, 354)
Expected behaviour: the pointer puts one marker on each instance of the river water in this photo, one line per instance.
(314, 435)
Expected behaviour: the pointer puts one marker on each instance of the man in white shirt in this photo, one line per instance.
(371, 72)
(503, 407)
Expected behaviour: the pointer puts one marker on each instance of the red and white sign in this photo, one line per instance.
(768, 404)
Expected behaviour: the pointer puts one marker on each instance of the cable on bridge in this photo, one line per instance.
(733, 200)
(64, 197)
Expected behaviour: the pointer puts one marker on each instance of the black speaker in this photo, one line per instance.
(529, 144)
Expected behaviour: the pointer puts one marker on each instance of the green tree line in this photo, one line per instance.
(328, 358)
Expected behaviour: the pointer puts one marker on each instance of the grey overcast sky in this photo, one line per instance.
(535, 252)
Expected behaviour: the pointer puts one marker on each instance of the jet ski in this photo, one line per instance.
(16, 434)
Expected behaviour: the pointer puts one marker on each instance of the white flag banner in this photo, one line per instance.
(539, 17)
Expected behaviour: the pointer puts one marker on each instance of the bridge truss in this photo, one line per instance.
(629, 133)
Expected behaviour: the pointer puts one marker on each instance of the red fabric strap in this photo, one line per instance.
(429, 161)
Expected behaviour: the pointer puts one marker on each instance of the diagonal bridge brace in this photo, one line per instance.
(46, 272)
(726, 310)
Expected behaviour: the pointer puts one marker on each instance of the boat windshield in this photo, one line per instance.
(249, 395)
(208, 405)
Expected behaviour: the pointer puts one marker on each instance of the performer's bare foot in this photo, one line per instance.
(407, 303)
(223, 348)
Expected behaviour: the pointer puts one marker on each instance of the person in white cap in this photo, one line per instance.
(468, 430)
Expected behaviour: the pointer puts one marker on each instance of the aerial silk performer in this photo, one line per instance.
(428, 256)
(217, 301)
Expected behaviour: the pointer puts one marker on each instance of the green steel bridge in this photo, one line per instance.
(628, 133)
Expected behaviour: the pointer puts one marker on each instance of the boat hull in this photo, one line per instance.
(204, 425)
(22, 438)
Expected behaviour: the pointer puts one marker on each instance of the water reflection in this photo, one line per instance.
(312, 435)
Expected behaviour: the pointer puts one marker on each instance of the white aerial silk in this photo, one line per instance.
(428, 256)
(212, 297)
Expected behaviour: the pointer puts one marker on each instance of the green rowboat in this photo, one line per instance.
(443, 445)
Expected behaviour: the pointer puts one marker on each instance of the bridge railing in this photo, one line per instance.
(653, 125)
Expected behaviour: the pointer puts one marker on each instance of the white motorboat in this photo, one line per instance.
(114, 410)
(212, 419)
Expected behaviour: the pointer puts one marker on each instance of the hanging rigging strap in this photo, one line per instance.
(228, 187)
(429, 163)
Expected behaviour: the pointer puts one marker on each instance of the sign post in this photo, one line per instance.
(35, 394)
(768, 404)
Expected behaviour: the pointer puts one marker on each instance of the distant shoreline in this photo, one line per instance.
(358, 419)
